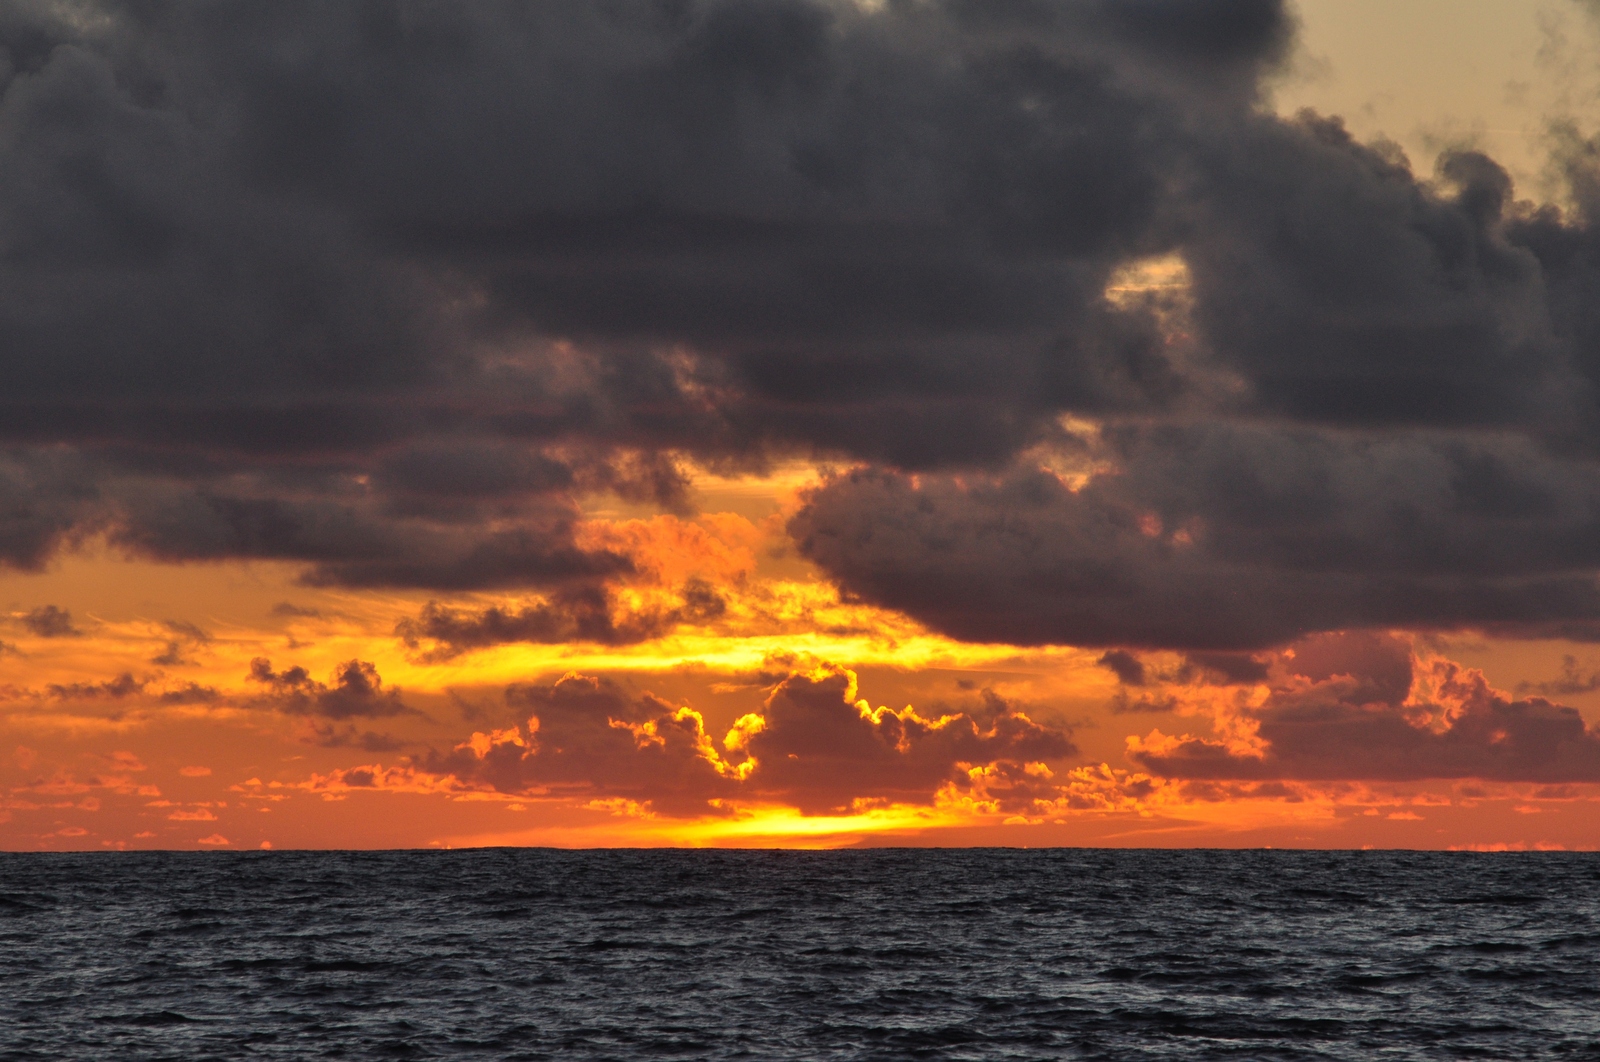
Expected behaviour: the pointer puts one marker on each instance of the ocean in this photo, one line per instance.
(877, 954)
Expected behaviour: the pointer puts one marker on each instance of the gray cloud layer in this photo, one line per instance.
(815, 748)
(1361, 717)
(384, 288)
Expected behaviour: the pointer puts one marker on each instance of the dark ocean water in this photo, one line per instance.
(899, 954)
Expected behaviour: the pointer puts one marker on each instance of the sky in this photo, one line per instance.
(800, 423)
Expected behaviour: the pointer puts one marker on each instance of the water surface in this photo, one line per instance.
(887, 954)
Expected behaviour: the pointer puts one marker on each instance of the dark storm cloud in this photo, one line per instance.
(421, 244)
(45, 498)
(1365, 319)
(578, 614)
(185, 635)
(593, 737)
(810, 744)
(1362, 717)
(124, 685)
(820, 751)
(1127, 667)
(1224, 667)
(357, 691)
(1217, 34)
(191, 693)
(1407, 439)
(48, 621)
(1341, 290)
(384, 289)
(1225, 539)
(348, 543)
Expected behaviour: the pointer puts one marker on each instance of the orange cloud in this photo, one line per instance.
(357, 691)
(814, 746)
(1365, 707)
(666, 551)
(581, 614)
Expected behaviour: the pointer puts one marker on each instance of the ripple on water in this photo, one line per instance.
(895, 954)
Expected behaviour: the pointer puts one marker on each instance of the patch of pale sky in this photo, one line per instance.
(1434, 74)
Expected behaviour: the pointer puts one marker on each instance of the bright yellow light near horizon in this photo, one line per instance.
(718, 653)
(626, 823)
(779, 823)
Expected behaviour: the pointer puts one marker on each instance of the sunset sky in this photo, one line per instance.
(800, 422)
